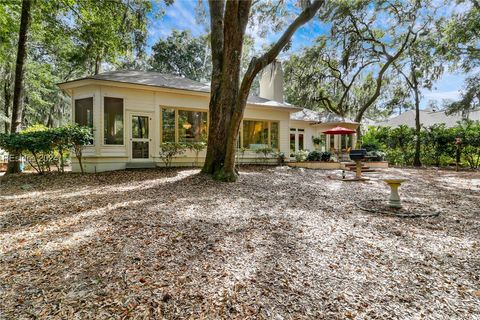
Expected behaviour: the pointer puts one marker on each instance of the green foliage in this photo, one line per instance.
(470, 99)
(326, 156)
(265, 151)
(43, 147)
(183, 55)
(168, 150)
(317, 140)
(437, 144)
(314, 156)
(280, 156)
(196, 147)
(319, 156)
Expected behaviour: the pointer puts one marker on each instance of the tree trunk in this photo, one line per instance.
(228, 28)
(228, 98)
(416, 89)
(14, 162)
(7, 95)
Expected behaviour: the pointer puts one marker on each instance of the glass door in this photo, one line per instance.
(140, 137)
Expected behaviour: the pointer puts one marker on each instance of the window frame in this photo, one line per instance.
(269, 132)
(176, 110)
(74, 109)
(103, 121)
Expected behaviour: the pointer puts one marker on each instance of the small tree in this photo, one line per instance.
(196, 147)
(78, 138)
(168, 150)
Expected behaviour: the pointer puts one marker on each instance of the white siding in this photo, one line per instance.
(102, 157)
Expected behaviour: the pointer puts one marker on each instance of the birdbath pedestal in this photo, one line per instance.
(394, 201)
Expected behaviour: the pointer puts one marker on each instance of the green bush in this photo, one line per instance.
(43, 147)
(326, 156)
(314, 156)
(196, 147)
(168, 150)
(265, 151)
(437, 144)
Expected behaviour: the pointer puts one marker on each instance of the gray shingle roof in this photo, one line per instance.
(156, 79)
(428, 118)
(319, 117)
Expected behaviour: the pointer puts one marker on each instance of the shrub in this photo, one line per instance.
(314, 156)
(326, 156)
(77, 138)
(280, 156)
(43, 147)
(301, 155)
(168, 150)
(196, 147)
(265, 150)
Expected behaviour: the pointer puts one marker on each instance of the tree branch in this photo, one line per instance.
(258, 64)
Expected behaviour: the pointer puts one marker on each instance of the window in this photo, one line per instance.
(84, 112)
(300, 141)
(259, 134)
(274, 135)
(292, 143)
(113, 121)
(184, 126)
(168, 125)
(139, 127)
(345, 141)
(192, 126)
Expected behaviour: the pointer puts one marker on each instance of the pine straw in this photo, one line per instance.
(280, 243)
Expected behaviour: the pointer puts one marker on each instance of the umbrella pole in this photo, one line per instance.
(359, 169)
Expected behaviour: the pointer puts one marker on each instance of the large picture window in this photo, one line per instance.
(84, 112)
(258, 134)
(113, 121)
(184, 126)
(192, 126)
(168, 125)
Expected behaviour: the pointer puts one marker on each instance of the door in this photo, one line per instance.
(296, 140)
(140, 140)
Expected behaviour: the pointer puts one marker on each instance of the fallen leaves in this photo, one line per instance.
(280, 243)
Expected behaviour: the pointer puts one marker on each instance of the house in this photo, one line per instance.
(428, 117)
(132, 112)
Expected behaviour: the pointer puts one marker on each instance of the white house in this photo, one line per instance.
(428, 117)
(132, 112)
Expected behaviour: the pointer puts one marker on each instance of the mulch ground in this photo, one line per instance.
(280, 243)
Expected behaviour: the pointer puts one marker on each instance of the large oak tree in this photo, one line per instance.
(228, 22)
(14, 163)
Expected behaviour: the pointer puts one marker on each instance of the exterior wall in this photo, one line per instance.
(101, 157)
(309, 133)
(313, 130)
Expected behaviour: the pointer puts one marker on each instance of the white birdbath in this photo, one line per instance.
(394, 201)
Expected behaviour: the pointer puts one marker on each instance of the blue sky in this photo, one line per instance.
(182, 16)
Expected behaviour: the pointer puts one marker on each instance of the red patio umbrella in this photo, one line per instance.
(339, 130)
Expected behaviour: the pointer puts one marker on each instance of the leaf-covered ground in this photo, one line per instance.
(280, 243)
